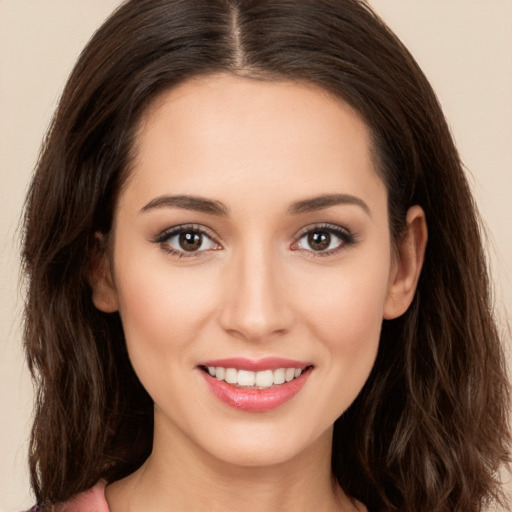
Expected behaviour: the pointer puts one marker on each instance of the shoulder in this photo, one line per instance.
(92, 500)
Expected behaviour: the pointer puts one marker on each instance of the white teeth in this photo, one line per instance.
(263, 379)
(279, 376)
(231, 376)
(246, 378)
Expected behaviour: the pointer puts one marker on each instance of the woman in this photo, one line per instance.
(232, 300)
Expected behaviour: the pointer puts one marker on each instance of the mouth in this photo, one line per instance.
(247, 379)
(255, 386)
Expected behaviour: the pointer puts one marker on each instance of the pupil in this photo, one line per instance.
(319, 241)
(190, 241)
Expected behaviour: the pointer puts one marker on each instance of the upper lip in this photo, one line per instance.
(256, 365)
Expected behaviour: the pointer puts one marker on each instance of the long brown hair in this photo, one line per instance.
(429, 430)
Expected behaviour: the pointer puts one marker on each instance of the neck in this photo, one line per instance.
(179, 475)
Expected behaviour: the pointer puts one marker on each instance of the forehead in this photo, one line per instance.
(226, 130)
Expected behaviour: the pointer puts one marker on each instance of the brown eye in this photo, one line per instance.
(324, 240)
(190, 241)
(186, 240)
(319, 240)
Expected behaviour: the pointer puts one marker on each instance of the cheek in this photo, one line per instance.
(349, 306)
(347, 322)
(345, 313)
(162, 317)
(163, 309)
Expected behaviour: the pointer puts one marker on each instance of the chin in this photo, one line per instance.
(265, 447)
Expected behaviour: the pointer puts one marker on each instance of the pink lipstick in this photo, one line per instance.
(255, 385)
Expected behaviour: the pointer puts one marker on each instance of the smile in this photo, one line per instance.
(255, 386)
(257, 380)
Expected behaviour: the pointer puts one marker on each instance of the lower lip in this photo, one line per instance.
(255, 400)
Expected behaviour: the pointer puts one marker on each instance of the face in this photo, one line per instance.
(252, 266)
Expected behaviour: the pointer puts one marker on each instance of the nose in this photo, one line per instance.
(256, 304)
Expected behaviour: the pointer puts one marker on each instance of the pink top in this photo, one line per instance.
(92, 500)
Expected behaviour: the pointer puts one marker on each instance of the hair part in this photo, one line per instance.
(429, 431)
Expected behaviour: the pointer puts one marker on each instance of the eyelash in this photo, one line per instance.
(163, 240)
(345, 237)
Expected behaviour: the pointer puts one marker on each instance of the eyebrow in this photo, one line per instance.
(198, 204)
(325, 201)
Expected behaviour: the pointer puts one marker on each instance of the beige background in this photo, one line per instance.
(464, 46)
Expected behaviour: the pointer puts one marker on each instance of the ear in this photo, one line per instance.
(406, 267)
(104, 292)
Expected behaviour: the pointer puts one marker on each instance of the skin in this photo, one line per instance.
(256, 288)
